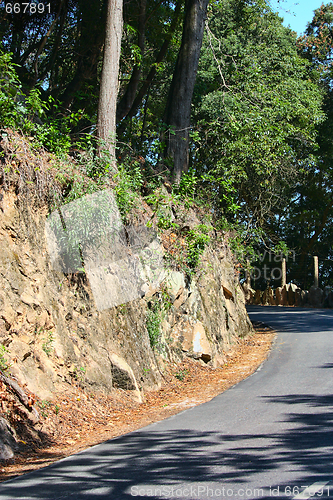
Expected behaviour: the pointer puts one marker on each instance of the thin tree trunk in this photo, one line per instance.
(177, 115)
(44, 39)
(127, 100)
(151, 75)
(107, 106)
(90, 40)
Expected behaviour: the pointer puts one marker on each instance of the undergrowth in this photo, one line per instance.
(74, 170)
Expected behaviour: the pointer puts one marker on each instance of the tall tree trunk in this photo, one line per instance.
(151, 75)
(107, 106)
(177, 115)
(126, 102)
(91, 19)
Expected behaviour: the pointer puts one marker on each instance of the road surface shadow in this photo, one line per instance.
(153, 459)
(293, 319)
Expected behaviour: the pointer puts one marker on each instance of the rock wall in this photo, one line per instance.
(54, 335)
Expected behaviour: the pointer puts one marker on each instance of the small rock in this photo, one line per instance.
(31, 317)
(28, 299)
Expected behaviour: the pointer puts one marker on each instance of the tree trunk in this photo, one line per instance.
(177, 115)
(107, 106)
(91, 19)
(151, 75)
(127, 100)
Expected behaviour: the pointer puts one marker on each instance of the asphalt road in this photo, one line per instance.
(270, 436)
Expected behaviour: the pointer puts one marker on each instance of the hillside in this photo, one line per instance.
(59, 343)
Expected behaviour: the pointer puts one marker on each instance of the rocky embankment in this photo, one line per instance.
(52, 334)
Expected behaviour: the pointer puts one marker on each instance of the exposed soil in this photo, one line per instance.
(77, 420)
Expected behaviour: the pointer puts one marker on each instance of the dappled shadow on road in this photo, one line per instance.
(150, 458)
(293, 319)
(158, 458)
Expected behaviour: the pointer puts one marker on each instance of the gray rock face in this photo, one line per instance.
(8, 444)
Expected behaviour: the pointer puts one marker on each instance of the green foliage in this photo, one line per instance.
(317, 42)
(281, 248)
(34, 104)
(129, 180)
(159, 306)
(181, 374)
(257, 118)
(52, 138)
(197, 240)
(47, 345)
(4, 365)
(96, 167)
(44, 405)
(21, 111)
(256, 109)
(10, 88)
(187, 186)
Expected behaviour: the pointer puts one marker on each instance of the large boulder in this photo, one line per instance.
(315, 297)
(257, 297)
(304, 297)
(268, 298)
(284, 295)
(249, 293)
(278, 296)
(292, 293)
(298, 297)
(329, 300)
(327, 293)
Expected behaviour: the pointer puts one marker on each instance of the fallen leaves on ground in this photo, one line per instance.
(77, 420)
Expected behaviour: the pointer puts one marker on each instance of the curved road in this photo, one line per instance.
(270, 436)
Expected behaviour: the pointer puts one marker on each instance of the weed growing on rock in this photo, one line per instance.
(129, 180)
(181, 375)
(47, 346)
(43, 405)
(4, 365)
(197, 239)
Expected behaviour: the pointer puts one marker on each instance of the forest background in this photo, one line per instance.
(243, 132)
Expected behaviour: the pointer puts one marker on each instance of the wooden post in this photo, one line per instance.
(284, 272)
(316, 271)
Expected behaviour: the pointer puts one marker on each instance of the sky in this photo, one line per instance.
(296, 13)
